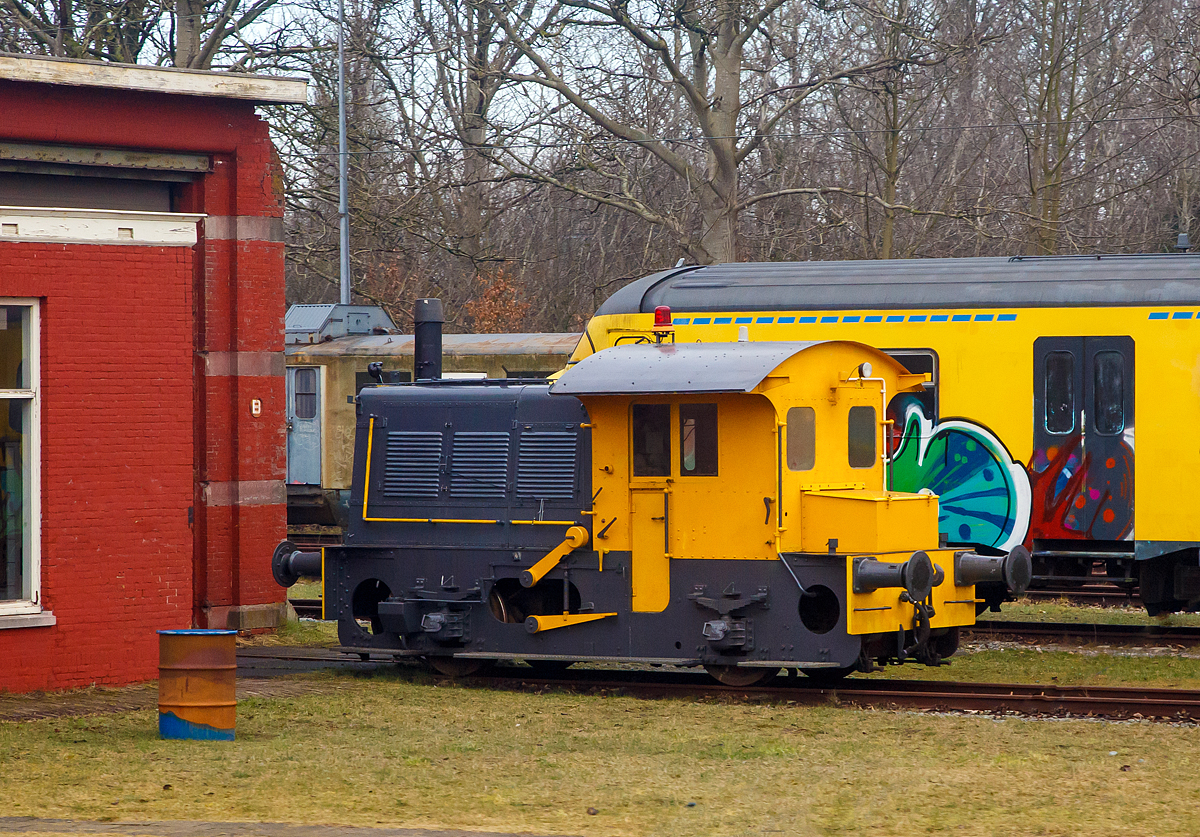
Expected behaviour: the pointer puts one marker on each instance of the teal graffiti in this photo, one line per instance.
(984, 496)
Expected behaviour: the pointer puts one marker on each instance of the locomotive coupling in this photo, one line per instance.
(1014, 570)
(916, 575)
(289, 563)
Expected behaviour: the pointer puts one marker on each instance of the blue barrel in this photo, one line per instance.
(197, 684)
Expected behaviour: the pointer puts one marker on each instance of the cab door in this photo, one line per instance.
(650, 505)
(304, 425)
(1081, 471)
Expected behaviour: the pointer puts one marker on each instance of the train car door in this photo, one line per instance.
(304, 425)
(1081, 471)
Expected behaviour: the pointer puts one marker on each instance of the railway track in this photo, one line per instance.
(306, 608)
(1077, 632)
(948, 696)
(1101, 595)
(997, 628)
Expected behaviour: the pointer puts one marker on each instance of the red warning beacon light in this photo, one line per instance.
(662, 323)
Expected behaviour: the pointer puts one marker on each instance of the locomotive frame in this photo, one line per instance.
(690, 504)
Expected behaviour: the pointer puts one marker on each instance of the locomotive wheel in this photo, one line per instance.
(502, 609)
(455, 666)
(741, 677)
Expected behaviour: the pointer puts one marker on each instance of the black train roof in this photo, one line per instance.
(1074, 281)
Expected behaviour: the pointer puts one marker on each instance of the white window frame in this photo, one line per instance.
(27, 611)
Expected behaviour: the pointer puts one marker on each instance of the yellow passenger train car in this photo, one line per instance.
(1036, 369)
(719, 504)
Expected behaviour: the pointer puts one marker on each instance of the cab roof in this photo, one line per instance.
(644, 369)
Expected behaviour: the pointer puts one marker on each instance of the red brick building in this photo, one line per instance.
(141, 365)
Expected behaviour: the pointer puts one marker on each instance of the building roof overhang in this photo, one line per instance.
(267, 90)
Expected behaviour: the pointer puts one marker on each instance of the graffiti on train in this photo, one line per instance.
(985, 496)
(1083, 494)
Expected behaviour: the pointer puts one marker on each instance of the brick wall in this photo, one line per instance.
(151, 359)
(117, 413)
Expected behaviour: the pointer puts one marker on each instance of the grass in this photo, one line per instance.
(305, 632)
(1028, 610)
(398, 749)
(1061, 668)
(305, 588)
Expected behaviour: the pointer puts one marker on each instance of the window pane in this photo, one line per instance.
(651, 440)
(698, 440)
(862, 427)
(801, 438)
(14, 342)
(14, 440)
(1109, 392)
(306, 393)
(1060, 392)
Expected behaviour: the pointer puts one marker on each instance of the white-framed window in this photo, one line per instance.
(20, 462)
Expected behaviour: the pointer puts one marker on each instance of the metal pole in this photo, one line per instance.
(343, 156)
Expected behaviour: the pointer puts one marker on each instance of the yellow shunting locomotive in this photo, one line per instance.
(714, 504)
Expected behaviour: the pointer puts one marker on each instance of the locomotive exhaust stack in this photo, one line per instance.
(428, 317)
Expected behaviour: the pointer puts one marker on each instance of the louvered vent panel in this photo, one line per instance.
(411, 469)
(546, 466)
(479, 465)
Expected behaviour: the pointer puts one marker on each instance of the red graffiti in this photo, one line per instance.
(1075, 497)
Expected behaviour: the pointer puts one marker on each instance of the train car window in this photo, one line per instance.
(698, 440)
(651, 440)
(801, 438)
(1060, 392)
(862, 429)
(920, 362)
(1109, 392)
(306, 393)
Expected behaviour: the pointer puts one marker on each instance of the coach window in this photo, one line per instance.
(1060, 392)
(801, 438)
(862, 430)
(651, 440)
(306, 393)
(20, 513)
(1109, 393)
(698, 440)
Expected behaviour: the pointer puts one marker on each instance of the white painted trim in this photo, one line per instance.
(31, 605)
(91, 226)
(262, 89)
(44, 619)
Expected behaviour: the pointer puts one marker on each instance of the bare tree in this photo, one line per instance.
(182, 33)
(716, 60)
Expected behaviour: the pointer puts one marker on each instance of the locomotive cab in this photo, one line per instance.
(707, 456)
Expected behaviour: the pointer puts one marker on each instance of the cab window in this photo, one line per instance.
(801, 438)
(651, 440)
(862, 427)
(698, 440)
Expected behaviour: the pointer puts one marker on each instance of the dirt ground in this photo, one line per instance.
(37, 827)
